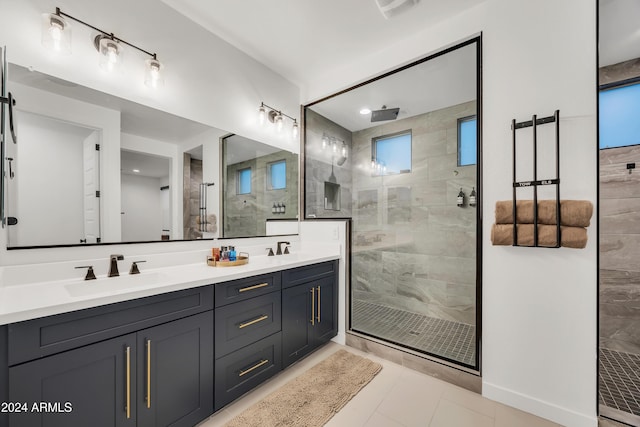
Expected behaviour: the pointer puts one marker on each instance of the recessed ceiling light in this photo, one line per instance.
(365, 111)
(136, 170)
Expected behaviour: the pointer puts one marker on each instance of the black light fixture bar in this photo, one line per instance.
(110, 35)
(262, 104)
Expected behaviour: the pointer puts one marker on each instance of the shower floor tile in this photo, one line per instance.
(453, 340)
(620, 380)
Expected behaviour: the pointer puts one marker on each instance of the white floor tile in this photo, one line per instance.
(449, 414)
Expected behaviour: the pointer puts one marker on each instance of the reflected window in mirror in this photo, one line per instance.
(244, 181)
(619, 110)
(277, 175)
(467, 140)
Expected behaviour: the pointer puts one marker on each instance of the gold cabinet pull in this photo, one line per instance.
(313, 306)
(253, 322)
(148, 374)
(128, 390)
(256, 366)
(251, 288)
(318, 318)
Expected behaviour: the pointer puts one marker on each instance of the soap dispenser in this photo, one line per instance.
(460, 199)
(472, 197)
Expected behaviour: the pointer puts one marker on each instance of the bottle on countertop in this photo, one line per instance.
(232, 253)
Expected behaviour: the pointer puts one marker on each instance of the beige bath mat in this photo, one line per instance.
(314, 397)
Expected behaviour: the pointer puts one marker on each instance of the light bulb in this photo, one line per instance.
(373, 164)
(262, 115)
(153, 74)
(344, 150)
(279, 122)
(110, 53)
(334, 147)
(294, 129)
(56, 33)
(325, 141)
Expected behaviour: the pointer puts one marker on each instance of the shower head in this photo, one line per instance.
(384, 114)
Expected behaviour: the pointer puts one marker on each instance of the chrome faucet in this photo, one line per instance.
(279, 250)
(113, 266)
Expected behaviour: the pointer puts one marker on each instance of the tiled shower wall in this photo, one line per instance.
(620, 250)
(318, 164)
(620, 235)
(413, 248)
(191, 195)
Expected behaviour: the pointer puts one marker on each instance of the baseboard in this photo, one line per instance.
(341, 338)
(540, 408)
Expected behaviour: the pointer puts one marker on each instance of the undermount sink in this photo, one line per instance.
(110, 284)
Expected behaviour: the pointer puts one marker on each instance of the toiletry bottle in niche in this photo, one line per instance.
(273, 209)
(232, 253)
(460, 199)
(284, 208)
(473, 200)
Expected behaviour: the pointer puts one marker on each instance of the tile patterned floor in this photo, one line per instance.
(396, 397)
(444, 338)
(620, 380)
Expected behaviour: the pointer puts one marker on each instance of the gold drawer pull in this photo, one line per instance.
(256, 366)
(250, 288)
(318, 318)
(128, 403)
(253, 322)
(313, 307)
(148, 373)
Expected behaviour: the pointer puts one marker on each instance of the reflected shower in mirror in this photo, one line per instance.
(260, 194)
(387, 154)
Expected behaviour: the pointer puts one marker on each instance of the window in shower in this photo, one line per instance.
(391, 154)
(415, 255)
(244, 181)
(467, 141)
(619, 112)
(277, 175)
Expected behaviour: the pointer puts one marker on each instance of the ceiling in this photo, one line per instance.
(438, 83)
(619, 31)
(146, 165)
(304, 39)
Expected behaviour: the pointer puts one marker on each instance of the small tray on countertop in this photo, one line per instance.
(241, 259)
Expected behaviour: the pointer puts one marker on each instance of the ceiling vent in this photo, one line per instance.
(390, 8)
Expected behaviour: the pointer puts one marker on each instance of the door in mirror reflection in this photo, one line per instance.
(54, 185)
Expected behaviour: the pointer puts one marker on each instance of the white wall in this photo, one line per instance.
(48, 184)
(539, 342)
(174, 195)
(142, 208)
(86, 115)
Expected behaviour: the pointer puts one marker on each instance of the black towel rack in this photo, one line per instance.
(534, 123)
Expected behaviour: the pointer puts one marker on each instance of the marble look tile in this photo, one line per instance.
(442, 372)
(620, 252)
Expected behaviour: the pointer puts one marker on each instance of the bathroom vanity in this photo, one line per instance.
(169, 358)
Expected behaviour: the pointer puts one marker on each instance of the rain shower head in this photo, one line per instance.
(384, 114)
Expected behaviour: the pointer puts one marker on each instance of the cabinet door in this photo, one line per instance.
(326, 298)
(298, 314)
(97, 381)
(175, 372)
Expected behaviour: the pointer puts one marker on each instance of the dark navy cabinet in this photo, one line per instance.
(158, 376)
(309, 309)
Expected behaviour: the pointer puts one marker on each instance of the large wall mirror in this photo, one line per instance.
(260, 188)
(92, 168)
(399, 155)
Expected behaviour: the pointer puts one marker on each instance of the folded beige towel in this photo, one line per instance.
(211, 219)
(570, 237)
(573, 213)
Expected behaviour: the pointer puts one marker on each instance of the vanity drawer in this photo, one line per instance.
(296, 276)
(245, 322)
(242, 289)
(239, 372)
(41, 337)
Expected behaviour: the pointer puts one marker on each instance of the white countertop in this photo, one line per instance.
(32, 300)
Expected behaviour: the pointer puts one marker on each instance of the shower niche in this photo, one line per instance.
(331, 196)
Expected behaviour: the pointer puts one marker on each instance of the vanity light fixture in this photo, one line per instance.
(276, 117)
(56, 35)
(338, 148)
